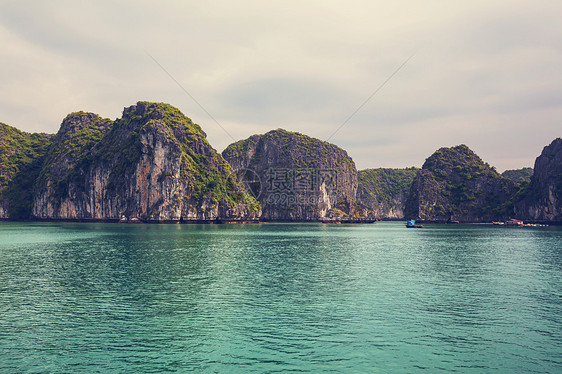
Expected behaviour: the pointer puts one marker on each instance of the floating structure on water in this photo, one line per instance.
(518, 223)
(513, 222)
(413, 224)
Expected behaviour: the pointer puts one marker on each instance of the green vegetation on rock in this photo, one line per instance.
(72, 147)
(519, 175)
(385, 190)
(21, 158)
(455, 184)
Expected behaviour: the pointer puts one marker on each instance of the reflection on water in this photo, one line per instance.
(279, 297)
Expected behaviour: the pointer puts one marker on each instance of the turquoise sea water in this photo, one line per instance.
(285, 298)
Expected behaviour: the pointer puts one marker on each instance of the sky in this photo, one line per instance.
(482, 73)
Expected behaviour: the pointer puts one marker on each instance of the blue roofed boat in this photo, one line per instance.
(412, 224)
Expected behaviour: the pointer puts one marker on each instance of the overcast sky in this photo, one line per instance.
(484, 73)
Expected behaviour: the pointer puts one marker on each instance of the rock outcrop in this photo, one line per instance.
(154, 164)
(297, 178)
(385, 191)
(21, 157)
(543, 200)
(454, 184)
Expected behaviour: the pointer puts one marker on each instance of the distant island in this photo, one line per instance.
(155, 165)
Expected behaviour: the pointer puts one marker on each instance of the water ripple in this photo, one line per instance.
(279, 298)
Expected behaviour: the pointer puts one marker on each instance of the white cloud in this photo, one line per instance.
(484, 73)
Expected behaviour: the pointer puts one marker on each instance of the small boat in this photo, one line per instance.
(412, 224)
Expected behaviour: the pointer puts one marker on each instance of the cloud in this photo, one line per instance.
(484, 73)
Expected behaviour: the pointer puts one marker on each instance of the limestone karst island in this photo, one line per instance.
(155, 165)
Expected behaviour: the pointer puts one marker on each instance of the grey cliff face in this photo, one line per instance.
(543, 201)
(300, 178)
(153, 164)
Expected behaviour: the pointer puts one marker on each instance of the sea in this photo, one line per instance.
(279, 298)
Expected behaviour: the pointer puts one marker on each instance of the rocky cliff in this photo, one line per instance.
(543, 200)
(385, 191)
(154, 164)
(454, 184)
(296, 177)
(21, 157)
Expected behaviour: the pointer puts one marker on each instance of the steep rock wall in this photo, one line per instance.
(297, 178)
(153, 164)
(543, 201)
